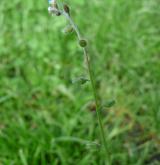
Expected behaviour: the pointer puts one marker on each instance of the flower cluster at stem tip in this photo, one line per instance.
(54, 10)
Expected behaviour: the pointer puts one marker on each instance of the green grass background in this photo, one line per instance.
(47, 120)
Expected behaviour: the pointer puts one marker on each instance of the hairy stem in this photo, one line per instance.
(91, 75)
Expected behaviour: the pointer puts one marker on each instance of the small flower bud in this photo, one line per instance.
(68, 29)
(83, 43)
(58, 13)
(66, 8)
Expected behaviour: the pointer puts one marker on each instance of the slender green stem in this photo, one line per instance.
(73, 24)
(91, 75)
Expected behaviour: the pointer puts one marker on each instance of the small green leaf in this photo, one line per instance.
(81, 80)
(109, 103)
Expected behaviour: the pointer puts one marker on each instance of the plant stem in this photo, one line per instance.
(91, 75)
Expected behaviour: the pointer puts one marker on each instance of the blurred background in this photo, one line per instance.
(45, 118)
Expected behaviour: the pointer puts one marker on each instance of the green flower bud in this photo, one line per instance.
(66, 8)
(58, 13)
(83, 43)
(68, 29)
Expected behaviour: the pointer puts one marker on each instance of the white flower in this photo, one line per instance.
(53, 8)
